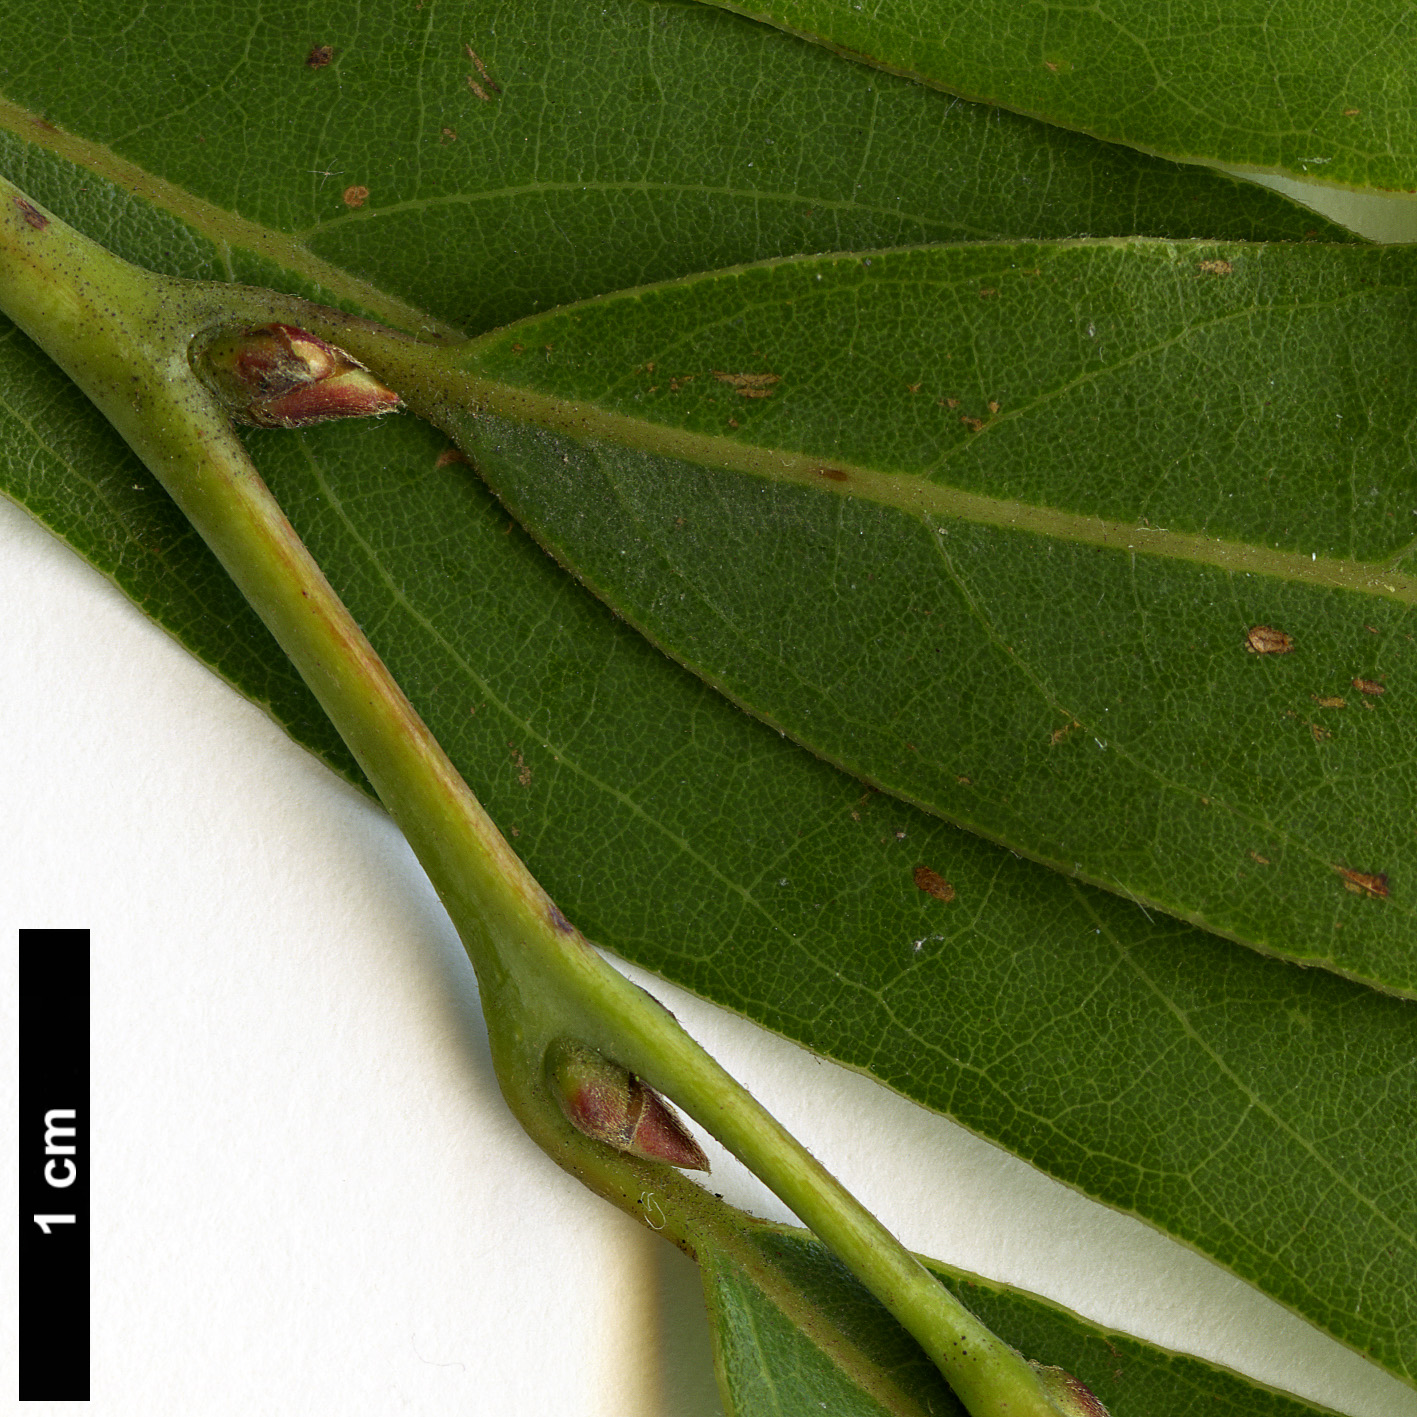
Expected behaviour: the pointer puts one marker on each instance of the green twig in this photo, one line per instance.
(126, 337)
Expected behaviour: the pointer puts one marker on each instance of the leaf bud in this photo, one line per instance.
(1068, 1395)
(278, 376)
(604, 1101)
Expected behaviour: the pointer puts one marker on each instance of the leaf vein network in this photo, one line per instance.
(566, 760)
(1246, 1091)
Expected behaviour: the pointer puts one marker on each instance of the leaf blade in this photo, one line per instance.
(1162, 81)
(838, 554)
(1055, 1019)
(795, 1333)
(703, 867)
(753, 145)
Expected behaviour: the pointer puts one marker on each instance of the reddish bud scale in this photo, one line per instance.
(278, 376)
(1068, 1394)
(604, 1101)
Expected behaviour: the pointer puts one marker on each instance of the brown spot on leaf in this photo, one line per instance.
(987, 292)
(1351, 112)
(1361, 883)
(973, 424)
(746, 381)
(749, 386)
(32, 214)
(523, 771)
(1368, 686)
(478, 89)
(451, 455)
(319, 56)
(1328, 701)
(355, 196)
(447, 136)
(833, 474)
(1216, 268)
(676, 384)
(1258, 859)
(994, 406)
(482, 69)
(1058, 734)
(967, 781)
(933, 883)
(948, 403)
(914, 388)
(732, 422)
(1263, 639)
(1319, 732)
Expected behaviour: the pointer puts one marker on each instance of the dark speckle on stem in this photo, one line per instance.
(560, 921)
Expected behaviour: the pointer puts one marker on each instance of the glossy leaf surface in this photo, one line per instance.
(1257, 1111)
(795, 1335)
(1324, 92)
(1002, 529)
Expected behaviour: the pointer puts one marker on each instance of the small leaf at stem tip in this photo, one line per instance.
(278, 376)
(604, 1101)
(1068, 1395)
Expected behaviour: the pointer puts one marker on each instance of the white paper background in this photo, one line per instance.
(308, 1196)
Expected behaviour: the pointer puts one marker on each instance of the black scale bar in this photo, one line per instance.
(54, 1166)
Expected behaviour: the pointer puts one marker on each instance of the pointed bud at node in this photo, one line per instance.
(278, 376)
(603, 1101)
(1068, 1395)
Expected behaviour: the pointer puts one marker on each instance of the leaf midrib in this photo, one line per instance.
(333, 500)
(909, 493)
(1268, 828)
(223, 228)
(708, 189)
(226, 229)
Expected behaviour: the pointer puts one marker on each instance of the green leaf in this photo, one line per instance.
(630, 142)
(796, 1334)
(1320, 91)
(1256, 1111)
(1020, 534)
(1259, 1112)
